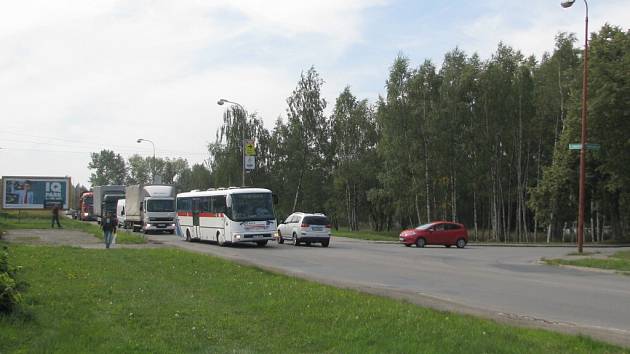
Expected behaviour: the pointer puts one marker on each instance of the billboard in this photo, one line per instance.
(24, 192)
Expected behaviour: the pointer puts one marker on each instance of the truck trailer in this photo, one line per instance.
(106, 199)
(150, 208)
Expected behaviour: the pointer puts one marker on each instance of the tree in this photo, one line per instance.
(309, 155)
(110, 168)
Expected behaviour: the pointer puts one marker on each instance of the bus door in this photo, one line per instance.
(195, 217)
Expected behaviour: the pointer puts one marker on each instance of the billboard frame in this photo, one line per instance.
(67, 179)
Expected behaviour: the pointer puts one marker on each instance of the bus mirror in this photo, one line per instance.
(228, 201)
(275, 199)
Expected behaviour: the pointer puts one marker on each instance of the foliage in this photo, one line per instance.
(10, 296)
(104, 301)
(110, 168)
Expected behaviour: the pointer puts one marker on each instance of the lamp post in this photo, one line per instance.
(580, 238)
(220, 103)
(152, 162)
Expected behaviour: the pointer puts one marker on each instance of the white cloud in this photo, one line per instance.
(102, 74)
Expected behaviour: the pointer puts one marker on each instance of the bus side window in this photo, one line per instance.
(218, 204)
(204, 204)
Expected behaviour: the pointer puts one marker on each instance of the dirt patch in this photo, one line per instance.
(63, 237)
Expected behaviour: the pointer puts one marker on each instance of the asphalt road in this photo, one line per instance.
(503, 283)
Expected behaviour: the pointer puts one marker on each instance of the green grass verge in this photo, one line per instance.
(42, 219)
(367, 235)
(619, 261)
(172, 301)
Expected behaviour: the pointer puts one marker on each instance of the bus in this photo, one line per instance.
(86, 207)
(227, 215)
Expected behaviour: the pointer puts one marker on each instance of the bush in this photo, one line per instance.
(4, 260)
(10, 295)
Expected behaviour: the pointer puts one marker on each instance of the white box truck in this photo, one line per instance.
(106, 199)
(150, 208)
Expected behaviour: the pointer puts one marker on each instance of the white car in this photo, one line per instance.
(305, 228)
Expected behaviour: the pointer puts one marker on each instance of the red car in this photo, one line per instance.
(436, 233)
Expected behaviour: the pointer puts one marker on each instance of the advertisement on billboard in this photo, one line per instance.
(23, 192)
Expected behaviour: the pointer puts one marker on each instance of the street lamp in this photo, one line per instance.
(152, 162)
(220, 103)
(580, 239)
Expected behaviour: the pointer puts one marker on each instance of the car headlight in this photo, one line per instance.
(237, 236)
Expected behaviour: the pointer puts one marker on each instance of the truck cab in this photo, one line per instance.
(158, 214)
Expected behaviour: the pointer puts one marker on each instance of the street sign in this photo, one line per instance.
(250, 162)
(250, 149)
(589, 146)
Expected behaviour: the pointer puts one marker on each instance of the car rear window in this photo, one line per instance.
(315, 220)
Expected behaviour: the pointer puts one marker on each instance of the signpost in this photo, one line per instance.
(589, 146)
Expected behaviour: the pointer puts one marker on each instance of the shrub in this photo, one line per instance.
(9, 295)
(4, 260)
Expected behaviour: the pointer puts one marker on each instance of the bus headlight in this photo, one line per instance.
(237, 236)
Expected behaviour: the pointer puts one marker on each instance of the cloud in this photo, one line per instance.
(105, 73)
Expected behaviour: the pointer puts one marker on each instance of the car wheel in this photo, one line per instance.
(461, 243)
(420, 243)
(325, 243)
(280, 239)
(294, 240)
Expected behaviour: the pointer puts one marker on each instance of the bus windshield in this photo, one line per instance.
(161, 205)
(252, 206)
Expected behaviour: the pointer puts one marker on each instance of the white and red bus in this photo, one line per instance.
(227, 215)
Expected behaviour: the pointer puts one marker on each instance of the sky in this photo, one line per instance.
(80, 76)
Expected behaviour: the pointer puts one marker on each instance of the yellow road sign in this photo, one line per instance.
(250, 149)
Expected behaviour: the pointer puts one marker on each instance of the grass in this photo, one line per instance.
(42, 219)
(172, 301)
(367, 235)
(619, 261)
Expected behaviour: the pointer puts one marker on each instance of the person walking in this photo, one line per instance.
(55, 216)
(108, 224)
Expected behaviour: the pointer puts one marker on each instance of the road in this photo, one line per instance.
(503, 283)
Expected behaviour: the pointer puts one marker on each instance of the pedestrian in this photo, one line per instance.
(55, 216)
(108, 224)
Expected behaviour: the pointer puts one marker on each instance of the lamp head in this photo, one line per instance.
(139, 140)
(221, 101)
(567, 3)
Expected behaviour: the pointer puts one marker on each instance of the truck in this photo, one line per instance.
(150, 208)
(86, 208)
(106, 199)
